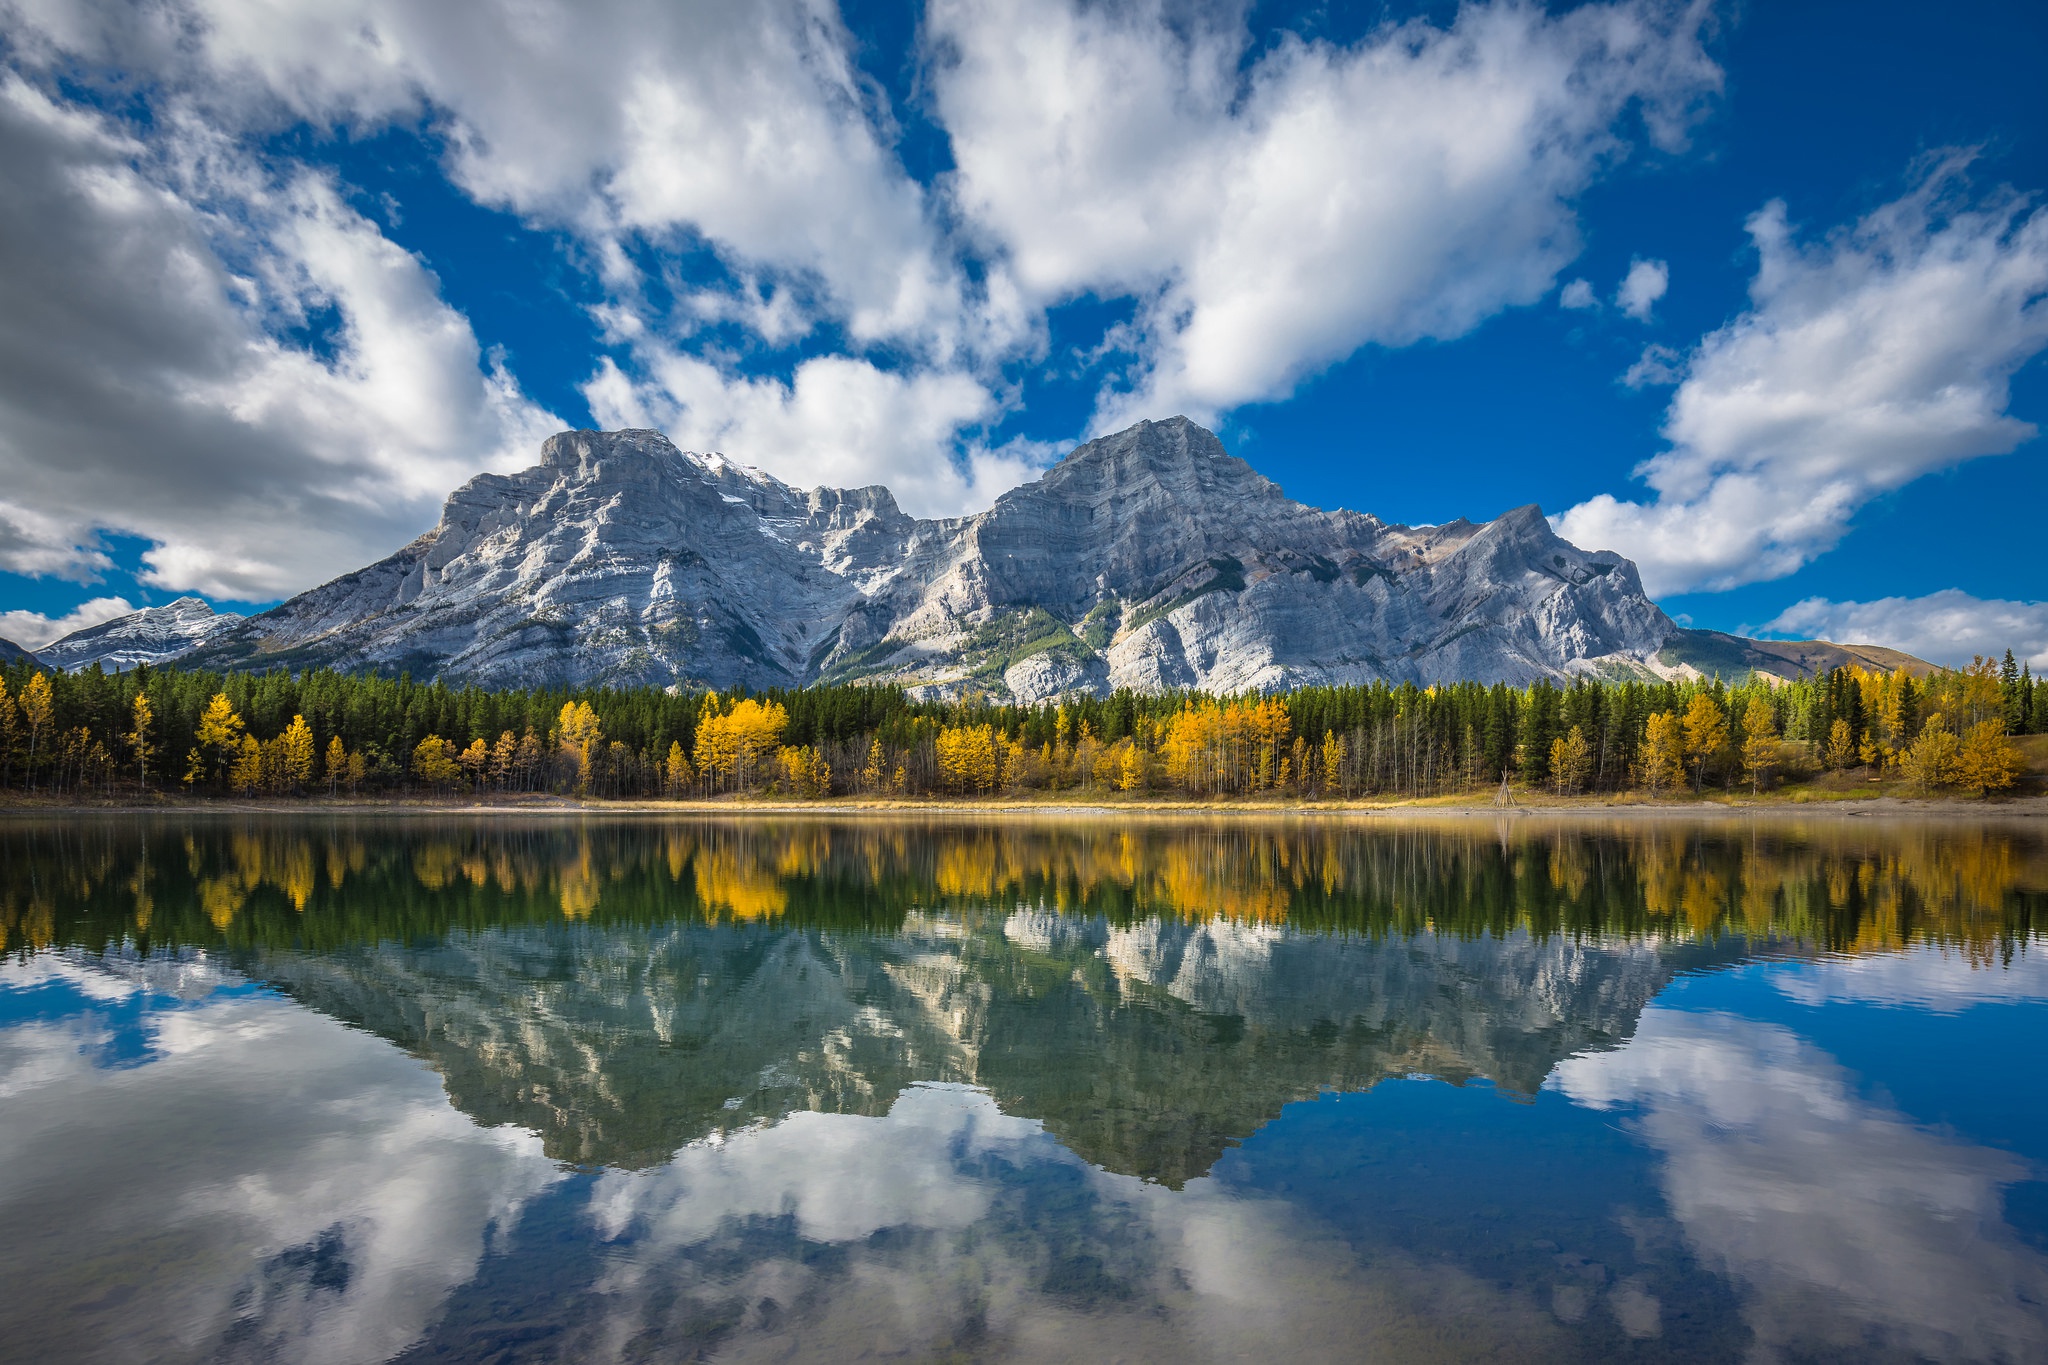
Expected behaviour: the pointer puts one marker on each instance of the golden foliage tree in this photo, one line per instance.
(804, 771)
(336, 766)
(245, 774)
(1840, 750)
(1571, 759)
(141, 737)
(435, 762)
(295, 755)
(1988, 760)
(1759, 741)
(733, 746)
(970, 757)
(38, 709)
(1706, 734)
(677, 776)
(579, 733)
(219, 740)
(1663, 753)
(1930, 760)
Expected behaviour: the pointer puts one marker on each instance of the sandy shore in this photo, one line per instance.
(2029, 808)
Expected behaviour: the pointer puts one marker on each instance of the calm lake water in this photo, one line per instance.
(358, 1090)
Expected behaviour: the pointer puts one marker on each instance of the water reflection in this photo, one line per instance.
(345, 1090)
(1849, 1227)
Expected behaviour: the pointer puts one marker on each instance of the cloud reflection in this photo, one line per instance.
(279, 1185)
(947, 1225)
(1846, 1226)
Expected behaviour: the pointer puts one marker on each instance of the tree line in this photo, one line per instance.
(93, 733)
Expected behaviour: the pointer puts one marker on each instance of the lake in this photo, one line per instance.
(497, 1089)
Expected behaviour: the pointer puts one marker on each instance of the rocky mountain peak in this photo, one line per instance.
(1175, 457)
(1149, 558)
(152, 635)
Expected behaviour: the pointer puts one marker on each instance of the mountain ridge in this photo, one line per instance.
(1151, 558)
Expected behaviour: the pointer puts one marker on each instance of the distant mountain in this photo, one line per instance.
(11, 652)
(153, 635)
(1710, 652)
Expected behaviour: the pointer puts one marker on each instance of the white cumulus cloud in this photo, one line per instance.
(841, 421)
(32, 629)
(1577, 295)
(1645, 283)
(1946, 627)
(1872, 357)
(146, 386)
(1273, 220)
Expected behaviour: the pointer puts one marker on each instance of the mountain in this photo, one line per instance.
(1151, 559)
(11, 652)
(1710, 652)
(153, 635)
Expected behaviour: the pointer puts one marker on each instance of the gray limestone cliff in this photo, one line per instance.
(1150, 559)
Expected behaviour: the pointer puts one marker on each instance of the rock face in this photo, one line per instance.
(1149, 559)
(11, 652)
(153, 635)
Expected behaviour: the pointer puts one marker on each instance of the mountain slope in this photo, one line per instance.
(153, 635)
(11, 652)
(1151, 559)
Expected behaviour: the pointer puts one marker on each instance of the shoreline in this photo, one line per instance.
(2023, 808)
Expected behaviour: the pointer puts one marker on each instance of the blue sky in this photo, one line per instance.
(275, 281)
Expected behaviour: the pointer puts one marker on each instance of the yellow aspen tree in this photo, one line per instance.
(140, 738)
(38, 709)
(434, 762)
(1988, 760)
(10, 732)
(677, 775)
(1930, 760)
(579, 734)
(337, 764)
(504, 754)
(219, 736)
(245, 774)
(1132, 775)
(358, 771)
(1571, 758)
(1840, 750)
(1706, 734)
(1759, 741)
(296, 754)
(874, 772)
(476, 763)
(1333, 762)
(1663, 755)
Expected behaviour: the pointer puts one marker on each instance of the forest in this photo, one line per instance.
(97, 735)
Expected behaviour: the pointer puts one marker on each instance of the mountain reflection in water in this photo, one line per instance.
(802, 1088)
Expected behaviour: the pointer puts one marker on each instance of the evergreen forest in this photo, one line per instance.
(97, 735)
